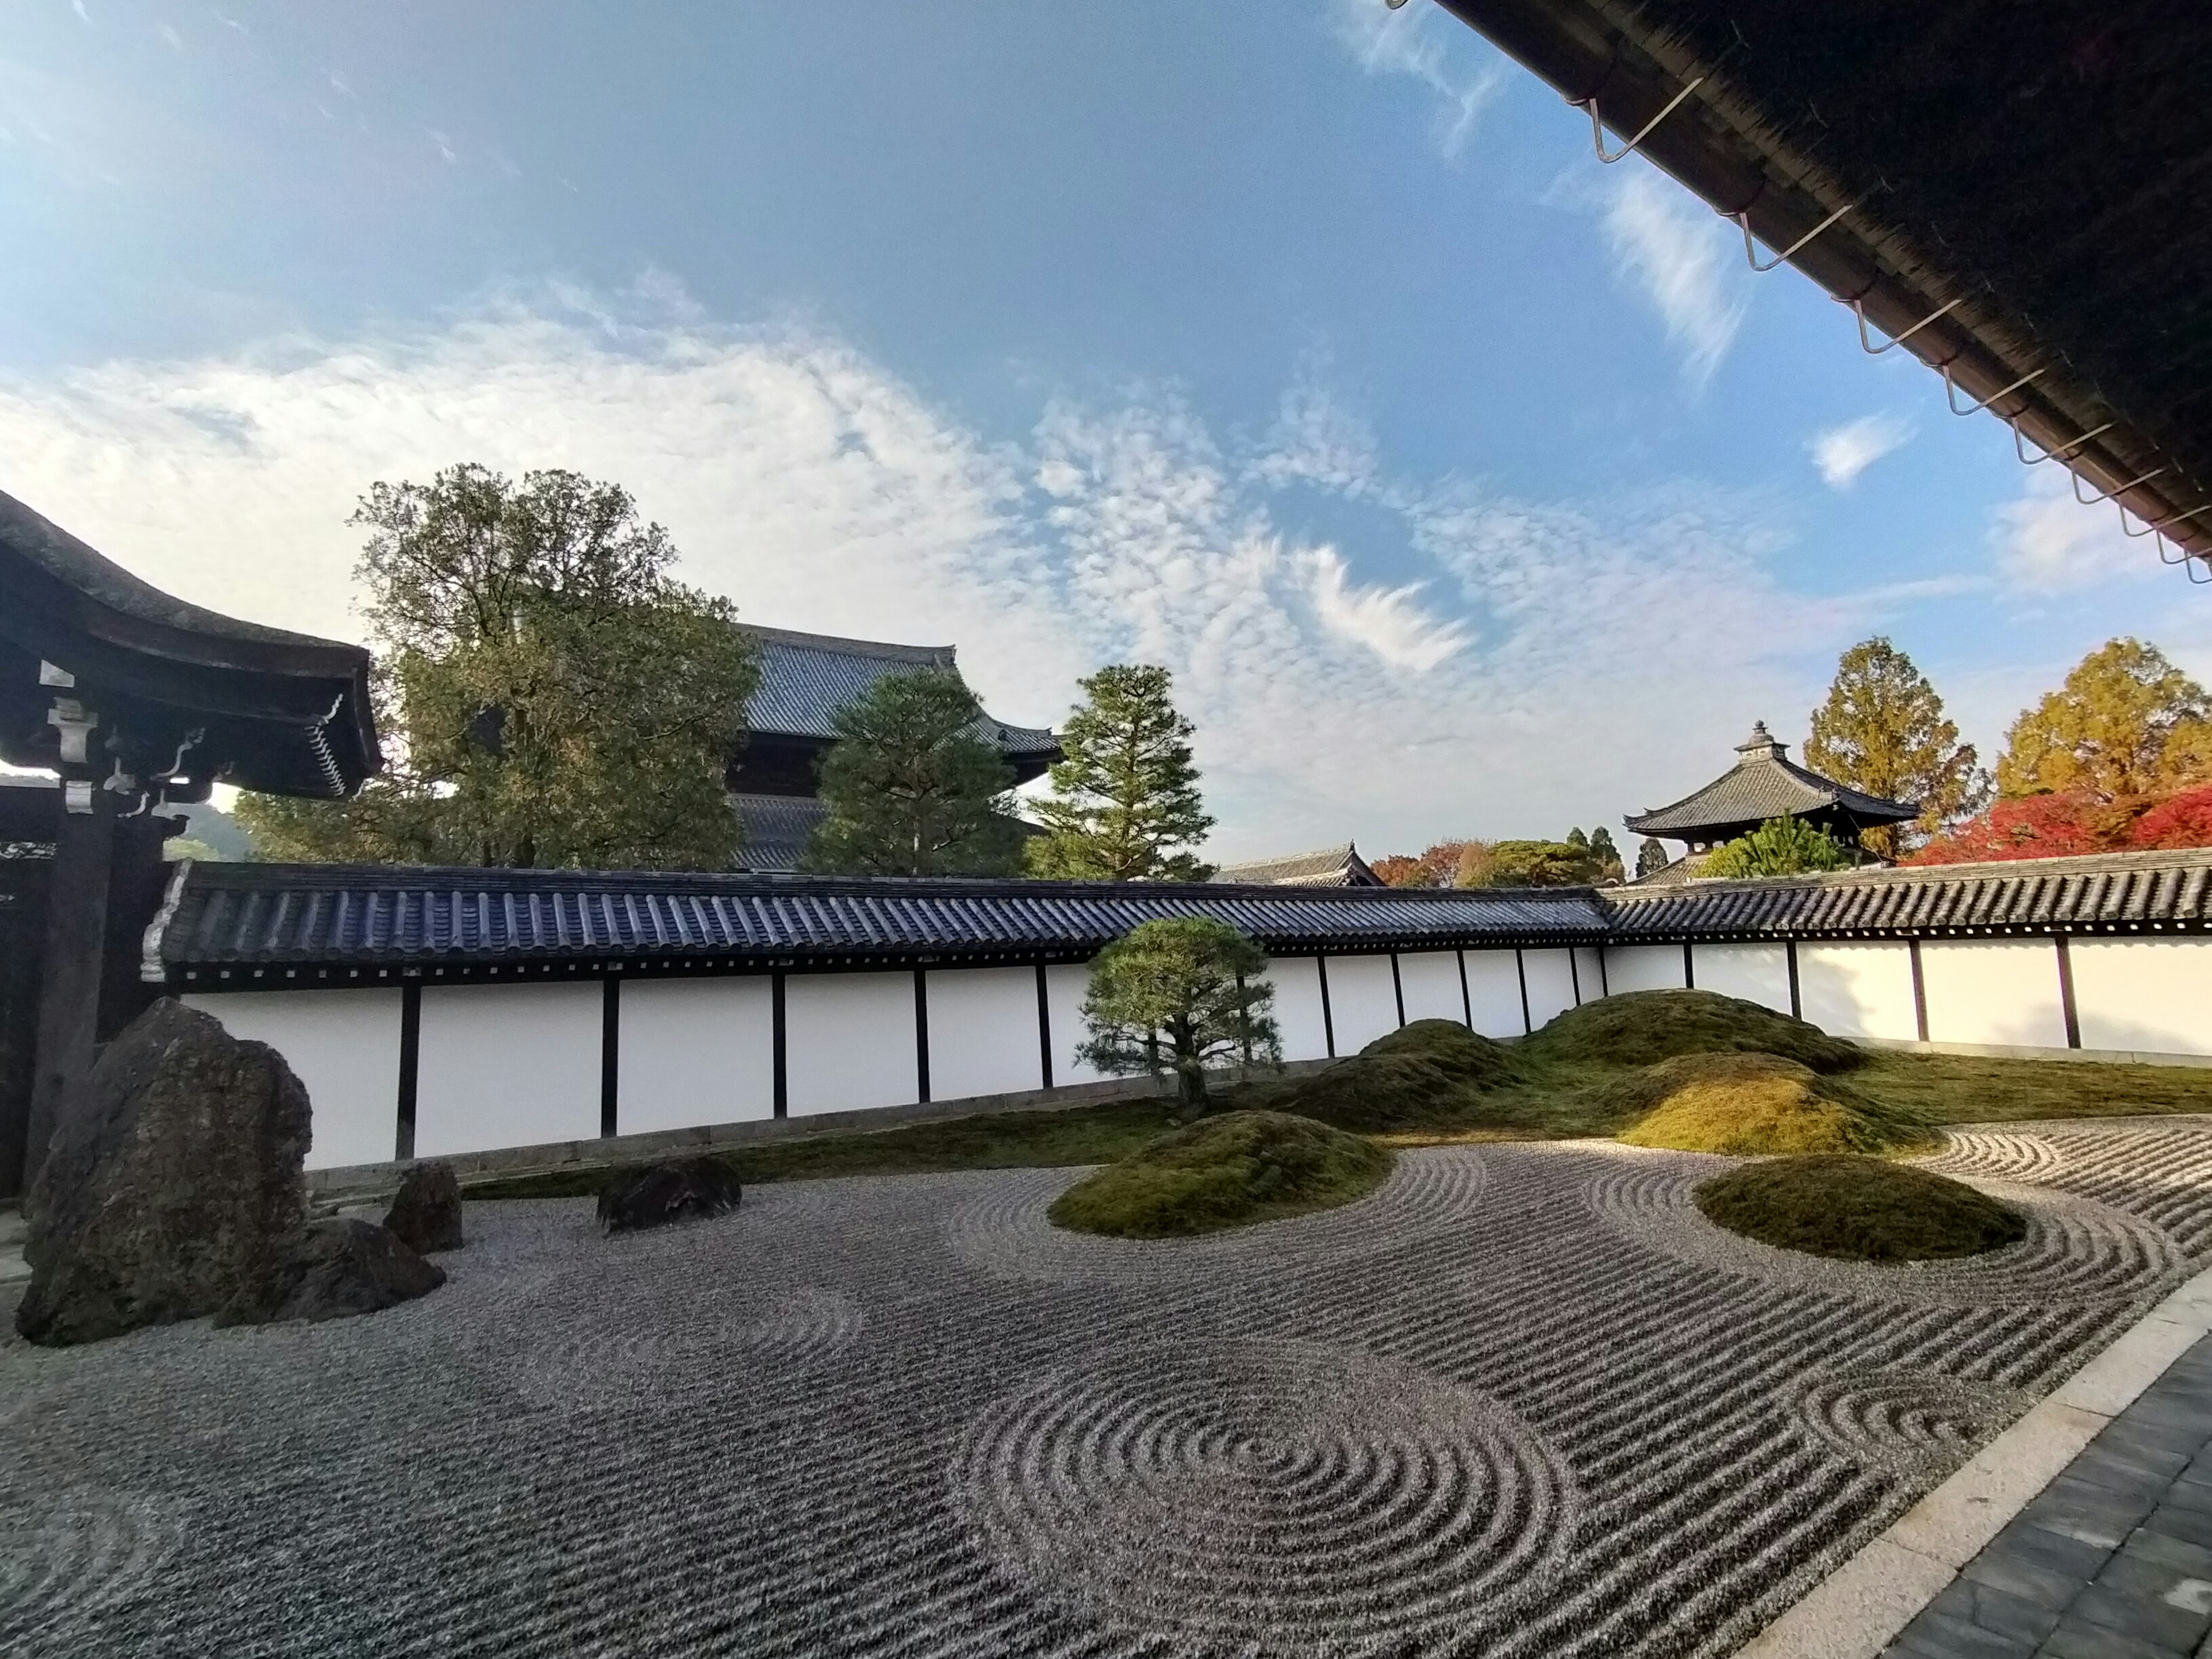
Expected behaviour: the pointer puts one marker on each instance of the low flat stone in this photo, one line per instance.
(426, 1214)
(671, 1190)
(335, 1268)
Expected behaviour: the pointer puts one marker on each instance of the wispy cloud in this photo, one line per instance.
(1316, 439)
(168, 33)
(1842, 452)
(1683, 260)
(1424, 43)
(446, 151)
(2048, 543)
(1495, 676)
(83, 16)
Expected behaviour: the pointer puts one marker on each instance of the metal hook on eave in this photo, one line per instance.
(1588, 106)
(1743, 222)
(2060, 454)
(2091, 500)
(1951, 397)
(1858, 310)
(2170, 518)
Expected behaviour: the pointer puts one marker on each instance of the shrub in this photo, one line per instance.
(1753, 1104)
(1640, 1027)
(1857, 1209)
(1225, 1171)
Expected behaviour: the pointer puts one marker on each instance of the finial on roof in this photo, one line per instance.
(1759, 746)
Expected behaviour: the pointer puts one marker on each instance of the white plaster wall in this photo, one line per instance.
(1066, 985)
(1857, 989)
(848, 1041)
(1550, 984)
(1757, 973)
(983, 1032)
(2151, 994)
(1642, 968)
(694, 1052)
(1361, 1000)
(507, 1066)
(1493, 992)
(1590, 972)
(1296, 981)
(1993, 991)
(1429, 980)
(344, 1047)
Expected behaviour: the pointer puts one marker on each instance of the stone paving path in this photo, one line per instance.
(2113, 1560)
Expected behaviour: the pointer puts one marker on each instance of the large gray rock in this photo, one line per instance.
(173, 1182)
(333, 1269)
(426, 1212)
(671, 1190)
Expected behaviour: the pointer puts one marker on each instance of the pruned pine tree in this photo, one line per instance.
(912, 786)
(1779, 846)
(1882, 730)
(2127, 727)
(1125, 803)
(549, 694)
(1181, 995)
(1650, 857)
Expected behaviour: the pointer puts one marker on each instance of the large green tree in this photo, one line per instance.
(1180, 995)
(1779, 846)
(1651, 857)
(2127, 727)
(1882, 730)
(912, 786)
(547, 694)
(1125, 805)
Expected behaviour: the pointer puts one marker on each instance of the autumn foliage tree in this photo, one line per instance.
(1883, 731)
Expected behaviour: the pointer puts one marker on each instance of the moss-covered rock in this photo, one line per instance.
(1751, 1105)
(1861, 1209)
(1641, 1028)
(1463, 1055)
(1225, 1171)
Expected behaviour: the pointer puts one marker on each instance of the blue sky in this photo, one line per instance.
(1468, 486)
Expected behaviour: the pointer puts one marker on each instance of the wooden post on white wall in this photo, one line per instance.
(1790, 956)
(1328, 1021)
(1397, 989)
(610, 1055)
(1521, 973)
(1689, 968)
(1044, 1029)
(1919, 990)
(776, 1045)
(410, 1058)
(2066, 992)
(1574, 977)
(921, 1036)
(1466, 1002)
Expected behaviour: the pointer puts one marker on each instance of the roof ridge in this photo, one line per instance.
(846, 645)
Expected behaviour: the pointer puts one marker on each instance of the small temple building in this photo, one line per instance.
(1764, 783)
(1328, 867)
(804, 679)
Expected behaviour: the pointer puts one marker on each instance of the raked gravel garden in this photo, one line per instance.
(1523, 1398)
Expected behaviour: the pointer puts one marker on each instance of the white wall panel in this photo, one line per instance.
(983, 1032)
(1296, 981)
(1493, 990)
(1642, 968)
(1066, 985)
(1590, 972)
(1857, 990)
(1757, 973)
(2151, 994)
(1429, 980)
(1993, 991)
(848, 1041)
(507, 1066)
(1361, 1000)
(694, 1052)
(1550, 984)
(344, 1047)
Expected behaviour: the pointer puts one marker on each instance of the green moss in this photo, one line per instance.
(1641, 1028)
(1225, 1171)
(1458, 1053)
(1750, 1105)
(1861, 1209)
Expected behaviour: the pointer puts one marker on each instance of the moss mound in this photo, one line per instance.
(1458, 1053)
(1374, 1094)
(1641, 1028)
(1224, 1171)
(1861, 1209)
(1752, 1105)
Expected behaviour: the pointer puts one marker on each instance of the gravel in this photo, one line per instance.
(1522, 1401)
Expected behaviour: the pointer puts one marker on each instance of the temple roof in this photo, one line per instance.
(805, 678)
(777, 829)
(285, 712)
(1329, 866)
(1764, 783)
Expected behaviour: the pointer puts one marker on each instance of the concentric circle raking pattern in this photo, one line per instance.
(1916, 1423)
(1996, 1155)
(1273, 1494)
(64, 1563)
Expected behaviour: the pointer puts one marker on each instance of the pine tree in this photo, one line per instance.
(1882, 730)
(1125, 798)
(1186, 992)
(2127, 727)
(913, 790)
(1650, 857)
(1605, 857)
(1779, 846)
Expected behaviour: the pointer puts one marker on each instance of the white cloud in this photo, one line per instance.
(1685, 260)
(446, 151)
(83, 16)
(168, 32)
(1423, 42)
(1537, 665)
(1842, 452)
(2049, 542)
(1316, 440)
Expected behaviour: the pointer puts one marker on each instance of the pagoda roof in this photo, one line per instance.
(805, 678)
(1327, 866)
(285, 712)
(1764, 783)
